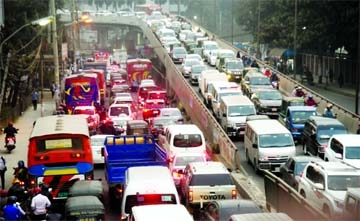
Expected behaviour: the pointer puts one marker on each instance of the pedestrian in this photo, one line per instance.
(57, 97)
(39, 205)
(34, 98)
(3, 169)
(341, 80)
(52, 89)
(331, 75)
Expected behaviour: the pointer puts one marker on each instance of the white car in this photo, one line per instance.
(120, 110)
(324, 185)
(187, 64)
(97, 142)
(194, 56)
(88, 110)
(172, 112)
(183, 33)
(123, 100)
(178, 163)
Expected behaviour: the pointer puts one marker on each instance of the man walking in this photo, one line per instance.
(34, 98)
(3, 169)
(39, 205)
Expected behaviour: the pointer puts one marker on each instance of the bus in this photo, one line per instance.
(102, 83)
(138, 69)
(81, 90)
(59, 153)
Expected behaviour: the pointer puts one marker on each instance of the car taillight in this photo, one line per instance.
(190, 195)
(77, 155)
(233, 194)
(41, 157)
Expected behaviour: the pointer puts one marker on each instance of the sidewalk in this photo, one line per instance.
(25, 124)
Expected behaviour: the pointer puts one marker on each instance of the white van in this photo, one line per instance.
(260, 216)
(268, 144)
(179, 138)
(147, 185)
(219, 90)
(233, 112)
(344, 147)
(160, 212)
(207, 77)
(207, 47)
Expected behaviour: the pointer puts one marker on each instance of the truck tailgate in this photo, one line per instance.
(210, 193)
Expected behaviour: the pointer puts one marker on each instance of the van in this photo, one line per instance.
(268, 144)
(147, 185)
(206, 77)
(317, 132)
(344, 147)
(219, 90)
(233, 112)
(180, 138)
(352, 204)
(222, 54)
(160, 212)
(260, 216)
(207, 46)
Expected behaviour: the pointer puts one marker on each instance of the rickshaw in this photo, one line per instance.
(137, 127)
(290, 101)
(84, 208)
(87, 188)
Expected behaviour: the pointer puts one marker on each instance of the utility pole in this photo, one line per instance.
(258, 32)
(357, 73)
(55, 44)
(295, 36)
(178, 7)
(232, 22)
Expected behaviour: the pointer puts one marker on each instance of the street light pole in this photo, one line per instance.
(55, 45)
(232, 22)
(295, 43)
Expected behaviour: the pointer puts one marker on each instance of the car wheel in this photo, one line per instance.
(302, 193)
(247, 157)
(326, 210)
(256, 167)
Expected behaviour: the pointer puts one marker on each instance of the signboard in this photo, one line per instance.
(64, 51)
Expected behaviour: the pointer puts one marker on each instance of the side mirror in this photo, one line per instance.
(338, 156)
(319, 186)
(255, 145)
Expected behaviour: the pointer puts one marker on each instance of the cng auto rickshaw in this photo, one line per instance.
(87, 188)
(137, 127)
(81, 208)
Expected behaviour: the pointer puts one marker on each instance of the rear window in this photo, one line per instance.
(156, 95)
(117, 111)
(148, 199)
(184, 160)
(59, 144)
(211, 180)
(187, 140)
(84, 111)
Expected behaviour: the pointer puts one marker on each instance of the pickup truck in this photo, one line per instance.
(122, 152)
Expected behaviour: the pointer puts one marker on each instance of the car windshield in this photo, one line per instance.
(325, 132)
(211, 180)
(198, 69)
(187, 140)
(235, 65)
(299, 117)
(182, 161)
(191, 62)
(179, 51)
(241, 110)
(259, 81)
(161, 122)
(227, 55)
(211, 47)
(275, 140)
(270, 95)
(232, 93)
(117, 111)
(170, 112)
(352, 152)
(342, 182)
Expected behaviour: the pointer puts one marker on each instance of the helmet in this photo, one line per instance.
(15, 180)
(37, 190)
(299, 88)
(11, 199)
(329, 106)
(310, 96)
(10, 124)
(21, 163)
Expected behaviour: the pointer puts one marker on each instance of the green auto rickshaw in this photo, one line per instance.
(88, 208)
(290, 101)
(87, 188)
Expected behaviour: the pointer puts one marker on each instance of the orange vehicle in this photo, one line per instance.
(138, 69)
(59, 153)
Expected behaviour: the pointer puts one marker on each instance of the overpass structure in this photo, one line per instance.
(171, 78)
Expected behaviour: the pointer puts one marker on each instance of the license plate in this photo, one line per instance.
(155, 112)
(62, 194)
(273, 109)
(242, 132)
(237, 77)
(277, 169)
(11, 142)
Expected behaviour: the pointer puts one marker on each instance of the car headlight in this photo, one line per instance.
(263, 158)
(230, 124)
(339, 204)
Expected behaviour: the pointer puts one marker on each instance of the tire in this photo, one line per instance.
(302, 193)
(247, 157)
(305, 149)
(256, 168)
(326, 209)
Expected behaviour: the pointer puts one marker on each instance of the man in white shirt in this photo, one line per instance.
(39, 205)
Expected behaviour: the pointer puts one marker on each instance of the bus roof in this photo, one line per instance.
(136, 60)
(60, 124)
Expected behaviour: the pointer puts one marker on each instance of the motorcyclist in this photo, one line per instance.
(274, 78)
(328, 111)
(299, 92)
(267, 72)
(310, 101)
(11, 210)
(17, 190)
(10, 131)
(21, 172)
(107, 127)
(254, 64)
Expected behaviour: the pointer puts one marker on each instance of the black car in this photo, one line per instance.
(178, 55)
(223, 209)
(291, 170)
(317, 132)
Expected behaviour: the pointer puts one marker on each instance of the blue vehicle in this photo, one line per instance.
(122, 152)
(295, 117)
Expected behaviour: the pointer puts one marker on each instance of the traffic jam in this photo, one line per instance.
(155, 159)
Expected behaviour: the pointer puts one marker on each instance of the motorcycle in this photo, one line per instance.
(10, 144)
(275, 84)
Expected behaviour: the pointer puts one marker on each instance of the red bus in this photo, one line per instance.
(59, 153)
(138, 69)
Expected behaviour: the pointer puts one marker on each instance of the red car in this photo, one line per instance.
(152, 108)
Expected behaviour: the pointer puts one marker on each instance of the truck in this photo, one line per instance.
(122, 152)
